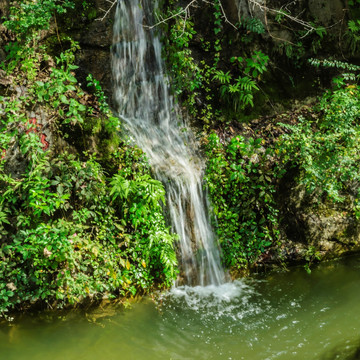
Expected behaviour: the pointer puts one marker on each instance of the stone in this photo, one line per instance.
(327, 12)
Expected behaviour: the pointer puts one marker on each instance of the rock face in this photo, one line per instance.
(307, 222)
(298, 15)
(327, 12)
(94, 31)
(96, 44)
(92, 28)
(4, 7)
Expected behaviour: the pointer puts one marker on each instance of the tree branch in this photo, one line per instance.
(186, 11)
(305, 24)
(113, 2)
(182, 11)
(225, 17)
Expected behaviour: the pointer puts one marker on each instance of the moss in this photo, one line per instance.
(93, 125)
(109, 146)
(92, 14)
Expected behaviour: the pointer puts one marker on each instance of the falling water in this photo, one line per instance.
(146, 107)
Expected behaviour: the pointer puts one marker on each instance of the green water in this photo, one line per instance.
(287, 315)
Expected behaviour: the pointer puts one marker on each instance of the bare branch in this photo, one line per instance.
(224, 16)
(182, 11)
(269, 32)
(186, 11)
(113, 2)
(305, 24)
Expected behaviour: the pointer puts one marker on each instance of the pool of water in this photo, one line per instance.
(283, 315)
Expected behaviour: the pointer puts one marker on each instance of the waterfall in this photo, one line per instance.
(143, 102)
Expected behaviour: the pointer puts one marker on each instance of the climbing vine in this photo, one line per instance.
(241, 183)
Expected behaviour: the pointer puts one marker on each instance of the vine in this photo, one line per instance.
(241, 184)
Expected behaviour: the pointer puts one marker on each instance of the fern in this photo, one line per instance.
(354, 26)
(143, 189)
(353, 35)
(224, 78)
(120, 187)
(253, 25)
(3, 218)
(150, 189)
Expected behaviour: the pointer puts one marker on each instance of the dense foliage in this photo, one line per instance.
(218, 85)
(226, 66)
(326, 149)
(27, 18)
(240, 179)
(243, 174)
(80, 215)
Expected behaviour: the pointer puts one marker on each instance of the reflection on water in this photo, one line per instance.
(290, 315)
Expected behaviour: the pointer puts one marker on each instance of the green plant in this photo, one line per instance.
(99, 93)
(143, 197)
(66, 232)
(60, 90)
(217, 16)
(70, 233)
(352, 35)
(251, 25)
(349, 73)
(187, 73)
(241, 187)
(311, 256)
(240, 91)
(326, 150)
(28, 18)
(194, 81)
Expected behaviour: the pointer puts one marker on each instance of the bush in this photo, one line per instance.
(326, 149)
(68, 230)
(240, 181)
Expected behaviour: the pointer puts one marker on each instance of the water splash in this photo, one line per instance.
(228, 300)
(144, 103)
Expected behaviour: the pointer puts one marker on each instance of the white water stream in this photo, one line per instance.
(141, 90)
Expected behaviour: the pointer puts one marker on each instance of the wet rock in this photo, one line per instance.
(330, 229)
(95, 36)
(327, 12)
(4, 8)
